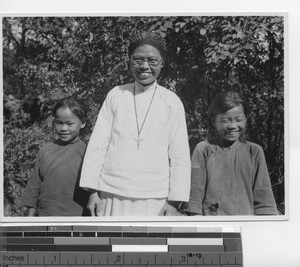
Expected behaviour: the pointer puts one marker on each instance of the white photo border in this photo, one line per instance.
(4, 220)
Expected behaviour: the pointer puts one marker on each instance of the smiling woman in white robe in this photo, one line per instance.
(137, 161)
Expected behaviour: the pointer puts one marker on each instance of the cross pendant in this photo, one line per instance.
(138, 140)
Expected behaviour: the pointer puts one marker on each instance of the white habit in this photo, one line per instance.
(160, 166)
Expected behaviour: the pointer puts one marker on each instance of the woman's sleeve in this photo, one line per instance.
(97, 147)
(179, 155)
(198, 182)
(264, 202)
(32, 190)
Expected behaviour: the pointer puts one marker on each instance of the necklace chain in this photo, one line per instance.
(139, 130)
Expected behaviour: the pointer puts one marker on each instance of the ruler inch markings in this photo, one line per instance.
(44, 258)
(75, 258)
(122, 246)
(211, 258)
(171, 258)
(231, 258)
(139, 258)
(100, 258)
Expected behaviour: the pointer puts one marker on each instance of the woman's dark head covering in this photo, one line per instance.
(148, 38)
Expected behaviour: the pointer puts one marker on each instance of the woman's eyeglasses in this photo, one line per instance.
(152, 62)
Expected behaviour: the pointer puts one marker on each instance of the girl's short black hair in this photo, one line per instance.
(223, 102)
(77, 107)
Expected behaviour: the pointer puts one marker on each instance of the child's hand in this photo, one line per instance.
(168, 210)
(95, 204)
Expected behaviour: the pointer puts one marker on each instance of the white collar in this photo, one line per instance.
(141, 89)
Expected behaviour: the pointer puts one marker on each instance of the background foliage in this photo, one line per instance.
(47, 58)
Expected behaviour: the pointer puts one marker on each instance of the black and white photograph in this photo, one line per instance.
(144, 116)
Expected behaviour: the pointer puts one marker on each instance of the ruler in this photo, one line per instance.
(91, 246)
